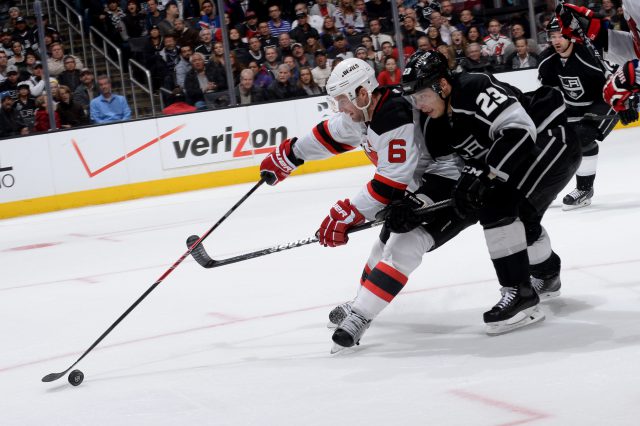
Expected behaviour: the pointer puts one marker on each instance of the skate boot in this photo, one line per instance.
(577, 198)
(338, 314)
(547, 288)
(517, 307)
(349, 331)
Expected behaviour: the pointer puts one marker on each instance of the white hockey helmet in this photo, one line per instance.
(348, 76)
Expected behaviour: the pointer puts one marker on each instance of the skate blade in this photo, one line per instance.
(522, 319)
(567, 207)
(336, 348)
(331, 326)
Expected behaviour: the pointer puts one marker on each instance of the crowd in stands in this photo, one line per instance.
(278, 50)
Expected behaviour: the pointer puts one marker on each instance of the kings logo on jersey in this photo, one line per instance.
(572, 86)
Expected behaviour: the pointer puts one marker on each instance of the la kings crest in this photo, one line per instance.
(572, 87)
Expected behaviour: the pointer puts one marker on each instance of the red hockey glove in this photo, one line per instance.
(619, 91)
(590, 25)
(342, 217)
(280, 163)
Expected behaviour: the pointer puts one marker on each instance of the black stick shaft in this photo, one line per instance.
(55, 376)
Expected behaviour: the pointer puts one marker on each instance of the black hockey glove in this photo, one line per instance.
(400, 216)
(472, 186)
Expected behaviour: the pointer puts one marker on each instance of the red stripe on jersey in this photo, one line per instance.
(378, 291)
(636, 35)
(393, 272)
(377, 196)
(389, 182)
(328, 141)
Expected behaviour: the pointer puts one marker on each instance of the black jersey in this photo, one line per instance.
(579, 76)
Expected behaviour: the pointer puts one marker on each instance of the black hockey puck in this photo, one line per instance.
(76, 377)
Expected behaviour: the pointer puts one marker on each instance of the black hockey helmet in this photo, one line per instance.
(424, 70)
(553, 26)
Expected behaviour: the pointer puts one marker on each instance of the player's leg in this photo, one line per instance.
(544, 263)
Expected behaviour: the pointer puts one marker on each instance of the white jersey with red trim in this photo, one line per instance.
(625, 46)
(392, 143)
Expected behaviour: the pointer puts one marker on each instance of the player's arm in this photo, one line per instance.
(328, 138)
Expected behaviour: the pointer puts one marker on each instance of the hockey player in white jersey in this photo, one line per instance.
(382, 122)
(621, 47)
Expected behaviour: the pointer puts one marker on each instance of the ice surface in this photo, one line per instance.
(246, 344)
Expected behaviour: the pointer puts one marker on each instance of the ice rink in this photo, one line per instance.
(247, 344)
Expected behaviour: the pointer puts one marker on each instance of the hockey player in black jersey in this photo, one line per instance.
(519, 154)
(572, 68)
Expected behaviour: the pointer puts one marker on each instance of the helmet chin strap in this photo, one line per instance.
(365, 109)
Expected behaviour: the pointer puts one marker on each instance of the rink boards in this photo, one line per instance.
(128, 160)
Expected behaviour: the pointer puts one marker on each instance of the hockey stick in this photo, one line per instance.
(203, 258)
(593, 117)
(55, 376)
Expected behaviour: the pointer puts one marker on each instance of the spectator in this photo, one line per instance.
(4, 62)
(185, 34)
(171, 13)
(306, 83)
(134, 20)
(412, 14)
(14, 13)
(266, 38)
(10, 85)
(154, 15)
(208, 17)
(474, 60)
(541, 37)
(56, 62)
(329, 32)
(70, 77)
(495, 44)
(86, 91)
(187, 9)
(349, 20)
(17, 52)
(293, 68)
(459, 44)
(448, 13)
(410, 34)
(30, 60)
(467, 21)
(276, 24)
(518, 31)
(340, 48)
(246, 92)
(312, 45)
(607, 11)
(377, 37)
(248, 28)
(42, 123)
(206, 46)
(237, 45)
(522, 58)
(115, 27)
(262, 77)
(284, 45)
(271, 61)
(282, 88)
(303, 30)
(322, 70)
(302, 59)
(108, 107)
(23, 33)
(5, 43)
(170, 56)
(316, 21)
(474, 36)
(71, 113)
(10, 122)
(184, 65)
(176, 103)
(449, 53)
(25, 105)
(361, 53)
(391, 74)
(36, 83)
(433, 38)
(442, 25)
(255, 52)
(323, 8)
(201, 79)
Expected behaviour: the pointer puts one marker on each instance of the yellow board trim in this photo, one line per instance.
(628, 126)
(166, 186)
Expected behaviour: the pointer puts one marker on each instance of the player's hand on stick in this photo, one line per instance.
(280, 163)
(472, 186)
(620, 92)
(591, 26)
(402, 215)
(342, 217)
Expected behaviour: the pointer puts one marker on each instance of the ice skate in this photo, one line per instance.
(547, 288)
(338, 314)
(577, 198)
(349, 332)
(517, 308)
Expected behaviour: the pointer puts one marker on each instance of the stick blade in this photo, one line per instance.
(199, 253)
(53, 376)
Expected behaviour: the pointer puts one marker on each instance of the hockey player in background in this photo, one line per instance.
(519, 155)
(382, 122)
(571, 68)
(621, 47)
